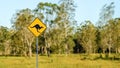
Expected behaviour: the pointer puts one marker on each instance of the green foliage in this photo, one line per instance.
(106, 14)
(24, 37)
(4, 39)
(59, 24)
(87, 37)
(61, 31)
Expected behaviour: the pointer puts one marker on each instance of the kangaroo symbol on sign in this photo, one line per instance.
(37, 27)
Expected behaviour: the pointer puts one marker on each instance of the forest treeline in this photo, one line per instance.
(63, 34)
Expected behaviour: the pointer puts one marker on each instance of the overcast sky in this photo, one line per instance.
(86, 9)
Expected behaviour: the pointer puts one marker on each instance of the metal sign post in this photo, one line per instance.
(37, 52)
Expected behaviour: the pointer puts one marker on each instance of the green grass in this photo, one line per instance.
(58, 61)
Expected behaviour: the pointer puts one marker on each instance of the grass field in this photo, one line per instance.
(58, 61)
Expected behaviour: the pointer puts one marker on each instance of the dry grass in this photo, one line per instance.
(58, 61)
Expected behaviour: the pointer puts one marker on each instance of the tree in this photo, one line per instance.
(114, 24)
(17, 45)
(117, 34)
(66, 20)
(87, 37)
(47, 12)
(20, 23)
(103, 39)
(104, 29)
(106, 14)
(5, 40)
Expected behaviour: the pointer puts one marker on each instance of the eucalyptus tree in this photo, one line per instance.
(106, 14)
(20, 22)
(103, 40)
(59, 19)
(115, 26)
(47, 13)
(17, 45)
(87, 37)
(118, 35)
(66, 21)
(5, 40)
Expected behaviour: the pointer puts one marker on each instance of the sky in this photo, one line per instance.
(86, 9)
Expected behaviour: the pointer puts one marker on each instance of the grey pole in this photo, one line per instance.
(37, 52)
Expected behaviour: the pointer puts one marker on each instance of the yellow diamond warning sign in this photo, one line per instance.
(37, 27)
